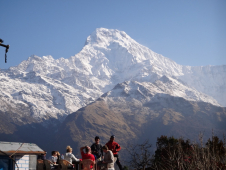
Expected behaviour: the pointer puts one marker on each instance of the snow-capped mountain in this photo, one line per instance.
(153, 92)
(56, 88)
(43, 96)
(136, 111)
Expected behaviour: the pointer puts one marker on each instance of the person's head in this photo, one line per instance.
(54, 153)
(105, 148)
(87, 149)
(58, 153)
(68, 149)
(43, 154)
(97, 140)
(112, 138)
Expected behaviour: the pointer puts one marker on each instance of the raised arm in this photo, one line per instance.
(81, 149)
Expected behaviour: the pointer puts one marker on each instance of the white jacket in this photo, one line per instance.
(70, 157)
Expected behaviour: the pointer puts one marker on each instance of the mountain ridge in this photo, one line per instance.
(136, 114)
(109, 57)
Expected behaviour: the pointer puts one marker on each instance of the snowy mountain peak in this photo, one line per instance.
(42, 65)
(104, 36)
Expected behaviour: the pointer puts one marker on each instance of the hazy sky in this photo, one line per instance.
(190, 32)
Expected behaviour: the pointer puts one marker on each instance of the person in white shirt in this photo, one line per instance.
(69, 156)
(53, 158)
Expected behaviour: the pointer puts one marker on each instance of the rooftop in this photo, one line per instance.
(16, 148)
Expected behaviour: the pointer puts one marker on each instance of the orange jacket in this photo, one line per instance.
(114, 147)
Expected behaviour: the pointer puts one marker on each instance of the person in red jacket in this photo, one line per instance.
(114, 147)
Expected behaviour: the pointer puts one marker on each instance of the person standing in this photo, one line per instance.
(114, 147)
(96, 149)
(108, 161)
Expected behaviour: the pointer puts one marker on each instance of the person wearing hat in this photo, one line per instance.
(114, 147)
(96, 149)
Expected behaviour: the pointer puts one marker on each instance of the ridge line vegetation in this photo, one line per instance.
(179, 154)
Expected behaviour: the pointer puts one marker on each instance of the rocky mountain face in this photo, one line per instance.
(114, 85)
(45, 97)
(135, 112)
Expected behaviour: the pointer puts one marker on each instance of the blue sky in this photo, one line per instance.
(190, 32)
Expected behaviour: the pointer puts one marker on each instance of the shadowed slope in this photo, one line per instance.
(137, 118)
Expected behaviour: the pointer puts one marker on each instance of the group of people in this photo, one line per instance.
(110, 150)
(104, 156)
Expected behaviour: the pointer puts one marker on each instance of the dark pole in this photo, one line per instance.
(3, 45)
(6, 49)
